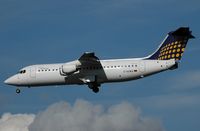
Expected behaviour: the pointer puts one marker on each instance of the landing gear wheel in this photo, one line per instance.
(95, 89)
(18, 91)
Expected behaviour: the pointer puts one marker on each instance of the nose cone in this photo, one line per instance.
(13, 80)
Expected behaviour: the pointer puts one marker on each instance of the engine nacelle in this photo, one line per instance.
(69, 69)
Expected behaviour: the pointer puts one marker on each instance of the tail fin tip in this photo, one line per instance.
(183, 31)
(173, 46)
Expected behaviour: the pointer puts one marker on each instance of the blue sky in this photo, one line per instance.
(49, 31)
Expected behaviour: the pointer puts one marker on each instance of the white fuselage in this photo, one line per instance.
(115, 70)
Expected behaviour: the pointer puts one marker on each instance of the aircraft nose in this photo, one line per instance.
(13, 80)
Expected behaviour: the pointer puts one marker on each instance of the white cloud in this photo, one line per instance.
(18, 122)
(82, 116)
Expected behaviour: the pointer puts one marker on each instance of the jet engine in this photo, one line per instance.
(69, 69)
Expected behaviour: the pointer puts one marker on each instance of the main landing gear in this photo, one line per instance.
(94, 86)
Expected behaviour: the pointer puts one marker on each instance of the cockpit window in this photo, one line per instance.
(22, 71)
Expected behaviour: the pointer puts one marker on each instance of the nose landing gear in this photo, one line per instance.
(18, 91)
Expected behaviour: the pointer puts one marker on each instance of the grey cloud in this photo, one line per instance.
(82, 116)
(187, 80)
(170, 101)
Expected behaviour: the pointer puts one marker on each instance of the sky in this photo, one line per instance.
(49, 31)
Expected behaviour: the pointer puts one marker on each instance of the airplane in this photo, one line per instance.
(93, 72)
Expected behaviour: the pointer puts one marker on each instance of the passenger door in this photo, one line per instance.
(142, 66)
(33, 72)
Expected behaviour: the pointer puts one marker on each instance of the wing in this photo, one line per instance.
(89, 57)
(90, 61)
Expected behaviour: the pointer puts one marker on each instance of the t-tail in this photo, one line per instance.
(173, 45)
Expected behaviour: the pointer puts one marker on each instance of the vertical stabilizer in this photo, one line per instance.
(173, 45)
